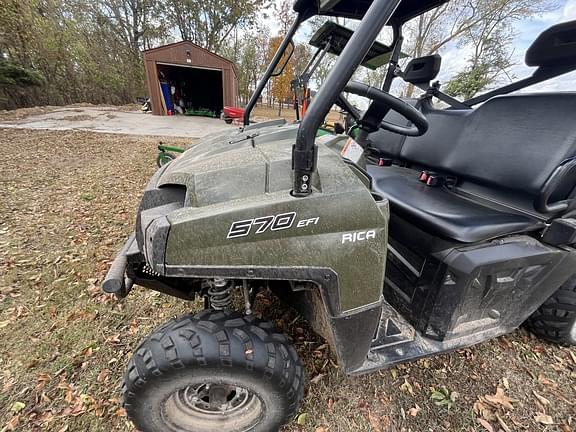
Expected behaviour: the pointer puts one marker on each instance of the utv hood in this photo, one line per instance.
(235, 166)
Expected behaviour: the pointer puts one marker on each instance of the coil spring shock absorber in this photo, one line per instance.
(220, 294)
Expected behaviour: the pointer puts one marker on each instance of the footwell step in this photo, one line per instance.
(396, 341)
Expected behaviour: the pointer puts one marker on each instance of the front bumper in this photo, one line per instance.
(116, 281)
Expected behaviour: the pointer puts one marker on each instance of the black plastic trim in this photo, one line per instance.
(325, 278)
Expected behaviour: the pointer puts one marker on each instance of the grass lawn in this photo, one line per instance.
(262, 112)
(68, 201)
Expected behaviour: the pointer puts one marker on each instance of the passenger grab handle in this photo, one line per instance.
(565, 172)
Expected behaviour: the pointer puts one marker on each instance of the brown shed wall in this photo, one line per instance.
(191, 55)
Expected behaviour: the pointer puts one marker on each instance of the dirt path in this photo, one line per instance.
(110, 120)
(68, 201)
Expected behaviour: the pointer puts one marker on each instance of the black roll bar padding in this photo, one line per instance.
(565, 171)
(433, 90)
(300, 18)
(304, 151)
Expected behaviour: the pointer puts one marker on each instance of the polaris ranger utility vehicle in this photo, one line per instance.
(420, 236)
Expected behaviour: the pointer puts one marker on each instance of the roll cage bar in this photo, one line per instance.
(393, 12)
(332, 38)
(304, 152)
(553, 53)
(375, 14)
(543, 73)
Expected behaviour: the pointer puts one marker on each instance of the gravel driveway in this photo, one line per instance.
(111, 120)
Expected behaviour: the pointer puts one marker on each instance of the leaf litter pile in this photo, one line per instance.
(68, 201)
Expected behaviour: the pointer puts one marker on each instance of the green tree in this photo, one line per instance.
(469, 82)
(250, 54)
(75, 46)
(13, 76)
(14, 79)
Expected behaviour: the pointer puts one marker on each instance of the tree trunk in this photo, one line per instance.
(409, 90)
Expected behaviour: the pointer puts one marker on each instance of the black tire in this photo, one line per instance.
(164, 158)
(555, 320)
(171, 374)
(228, 120)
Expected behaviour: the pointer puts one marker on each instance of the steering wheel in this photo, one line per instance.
(419, 121)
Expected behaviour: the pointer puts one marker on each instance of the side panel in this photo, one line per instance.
(315, 232)
(467, 289)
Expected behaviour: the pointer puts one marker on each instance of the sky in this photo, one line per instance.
(454, 58)
(526, 32)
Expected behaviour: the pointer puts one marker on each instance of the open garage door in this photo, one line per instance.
(196, 90)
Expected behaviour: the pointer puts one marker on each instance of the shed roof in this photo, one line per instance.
(195, 46)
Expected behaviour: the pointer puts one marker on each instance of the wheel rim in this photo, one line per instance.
(203, 407)
(202, 398)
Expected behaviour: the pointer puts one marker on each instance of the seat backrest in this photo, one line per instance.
(432, 148)
(389, 144)
(512, 142)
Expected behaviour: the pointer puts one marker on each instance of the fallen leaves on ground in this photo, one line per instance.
(543, 419)
(68, 201)
(414, 411)
(500, 399)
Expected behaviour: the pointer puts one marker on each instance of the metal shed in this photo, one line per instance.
(201, 79)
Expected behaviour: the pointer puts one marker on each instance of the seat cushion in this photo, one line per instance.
(443, 212)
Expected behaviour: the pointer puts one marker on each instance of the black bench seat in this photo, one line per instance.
(444, 212)
(509, 148)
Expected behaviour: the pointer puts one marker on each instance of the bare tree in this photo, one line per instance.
(209, 23)
(133, 19)
(486, 25)
(284, 15)
(250, 54)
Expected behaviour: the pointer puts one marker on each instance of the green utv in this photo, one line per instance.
(431, 230)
